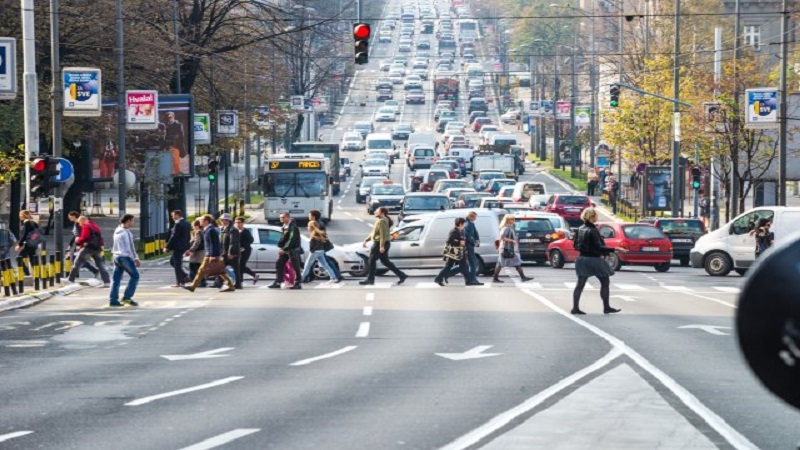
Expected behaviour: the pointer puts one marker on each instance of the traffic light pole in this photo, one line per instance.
(56, 99)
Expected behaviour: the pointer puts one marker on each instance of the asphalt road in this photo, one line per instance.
(386, 366)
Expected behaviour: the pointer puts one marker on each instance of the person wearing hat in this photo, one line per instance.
(231, 247)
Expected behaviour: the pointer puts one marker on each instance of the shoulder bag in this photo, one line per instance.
(214, 267)
(453, 252)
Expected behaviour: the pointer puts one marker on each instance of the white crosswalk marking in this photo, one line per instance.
(727, 289)
(426, 285)
(677, 288)
(528, 285)
(380, 285)
(572, 284)
(629, 287)
(328, 286)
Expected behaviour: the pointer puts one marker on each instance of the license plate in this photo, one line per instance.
(530, 240)
(650, 249)
(296, 211)
(572, 210)
(688, 241)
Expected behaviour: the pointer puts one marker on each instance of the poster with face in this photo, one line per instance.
(174, 136)
(659, 191)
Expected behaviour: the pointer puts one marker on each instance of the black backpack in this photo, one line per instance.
(579, 238)
(34, 238)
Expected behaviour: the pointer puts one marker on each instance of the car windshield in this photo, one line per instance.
(642, 232)
(362, 126)
(387, 189)
(367, 182)
(426, 203)
(379, 144)
(491, 176)
(352, 138)
(681, 226)
(573, 200)
(534, 225)
(375, 162)
(423, 152)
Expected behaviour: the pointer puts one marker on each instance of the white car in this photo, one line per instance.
(385, 36)
(375, 168)
(352, 141)
(394, 104)
(396, 77)
(412, 81)
(385, 65)
(510, 117)
(265, 253)
(486, 130)
(385, 114)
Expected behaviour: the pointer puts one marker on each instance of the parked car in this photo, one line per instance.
(681, 232)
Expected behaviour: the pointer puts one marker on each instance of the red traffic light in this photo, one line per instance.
(696, 171)
(39, 165)
(361, 31)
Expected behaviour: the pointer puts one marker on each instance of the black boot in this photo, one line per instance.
(497, 274)
(522, 275)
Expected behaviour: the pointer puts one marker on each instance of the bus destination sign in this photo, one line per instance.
(302, 165)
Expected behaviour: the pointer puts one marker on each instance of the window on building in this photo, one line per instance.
(752, 36)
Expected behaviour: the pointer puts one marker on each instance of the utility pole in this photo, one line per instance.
(247, 143)
(676, 108)
(31, 93)
(573, 154)
(712, 198)
(733, 193)
(178, 87)
(556, 134)
(530, 122)
(783, 110)
(121, 110)
(56, 101)
(593, 97)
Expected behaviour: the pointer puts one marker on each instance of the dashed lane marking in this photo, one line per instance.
(363, 330)
(304, 362)
(145, 400)
(222, 439)
(728, 290)
(16, 434)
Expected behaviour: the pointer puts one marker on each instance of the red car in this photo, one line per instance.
(569, 207)
(634, 244)
(480, 122)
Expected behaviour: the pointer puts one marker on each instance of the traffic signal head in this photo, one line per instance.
(614, 91)
(213, 169)
(40, 182)
(361, 35)
(697, 174)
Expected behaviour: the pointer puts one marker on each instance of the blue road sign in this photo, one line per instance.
(66, 171)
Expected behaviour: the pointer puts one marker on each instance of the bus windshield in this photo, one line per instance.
(295, 184)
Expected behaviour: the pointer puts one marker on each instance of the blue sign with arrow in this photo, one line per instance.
(65, 171)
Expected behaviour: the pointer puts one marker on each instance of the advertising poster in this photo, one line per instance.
(228, 123)
(8, 68)
(142, 107)
(562, 110)
(83, 94)
(298, 103)
(533, 109)
(546, 107)
(659, 188)
(202, 129)
(761, 108)
(583, 115)
(713, 117)
(173, 135)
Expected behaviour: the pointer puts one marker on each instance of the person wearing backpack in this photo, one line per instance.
(90, 245)
(31, 237)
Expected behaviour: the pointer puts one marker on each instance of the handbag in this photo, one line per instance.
(214, 267)
(327, 246)
(453, 252)
(508, 252)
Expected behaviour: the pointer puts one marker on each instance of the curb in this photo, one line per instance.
(27, 300)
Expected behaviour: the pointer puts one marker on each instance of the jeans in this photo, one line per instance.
(473, 263)
(233, 263)
(318, 255)
(453, 267)
(123, 264)
(84, 254)
(176, 261)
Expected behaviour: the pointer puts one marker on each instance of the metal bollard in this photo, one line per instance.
(35, 272)
(52, 270)
(11, 278)
(59, 274)
(6, 279)
(20, 274)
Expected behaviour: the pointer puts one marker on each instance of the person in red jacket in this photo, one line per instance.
(89, 245)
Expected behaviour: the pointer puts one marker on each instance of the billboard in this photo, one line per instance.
(228, 123)
(202, 129)
(83, 92)
(562, 110)
(8, 68)
(658, 183)
(173, 135)
(546, 107)
(761, 108)
(583, 115)
(142, 109)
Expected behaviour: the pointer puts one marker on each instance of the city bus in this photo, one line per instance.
(297, 183)
(330, 150)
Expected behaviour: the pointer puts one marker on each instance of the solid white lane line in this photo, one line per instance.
(370, 296)
(475, 436)
(368, 310)
(222, 439)
(363, 330)
(304, 362)
(736, 439)
(16, 434)
(201, 387)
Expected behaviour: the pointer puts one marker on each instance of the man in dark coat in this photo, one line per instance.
(289, 245)
(179, 241)
(231, 247)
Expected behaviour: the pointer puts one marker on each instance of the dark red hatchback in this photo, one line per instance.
(569, 206)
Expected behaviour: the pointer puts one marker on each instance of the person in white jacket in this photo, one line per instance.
(125, 261)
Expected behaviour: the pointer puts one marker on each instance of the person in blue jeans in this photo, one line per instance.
(472, 239)
(125, 261)
(317, 246)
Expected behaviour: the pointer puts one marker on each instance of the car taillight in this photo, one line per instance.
(624, 245)
(559, 235)
(411, 159)
(416, 180)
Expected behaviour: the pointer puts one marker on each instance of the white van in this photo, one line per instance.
(424, 139)
(524, 190)
(731, 247)
(465, 153)
(419, 244)
(383, 142)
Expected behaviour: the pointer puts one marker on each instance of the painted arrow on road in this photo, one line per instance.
(710, 329)
(474, 353)
(202, 355)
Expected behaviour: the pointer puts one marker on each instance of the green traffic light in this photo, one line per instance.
(696, 184)
(212, 177)
(614, 103)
